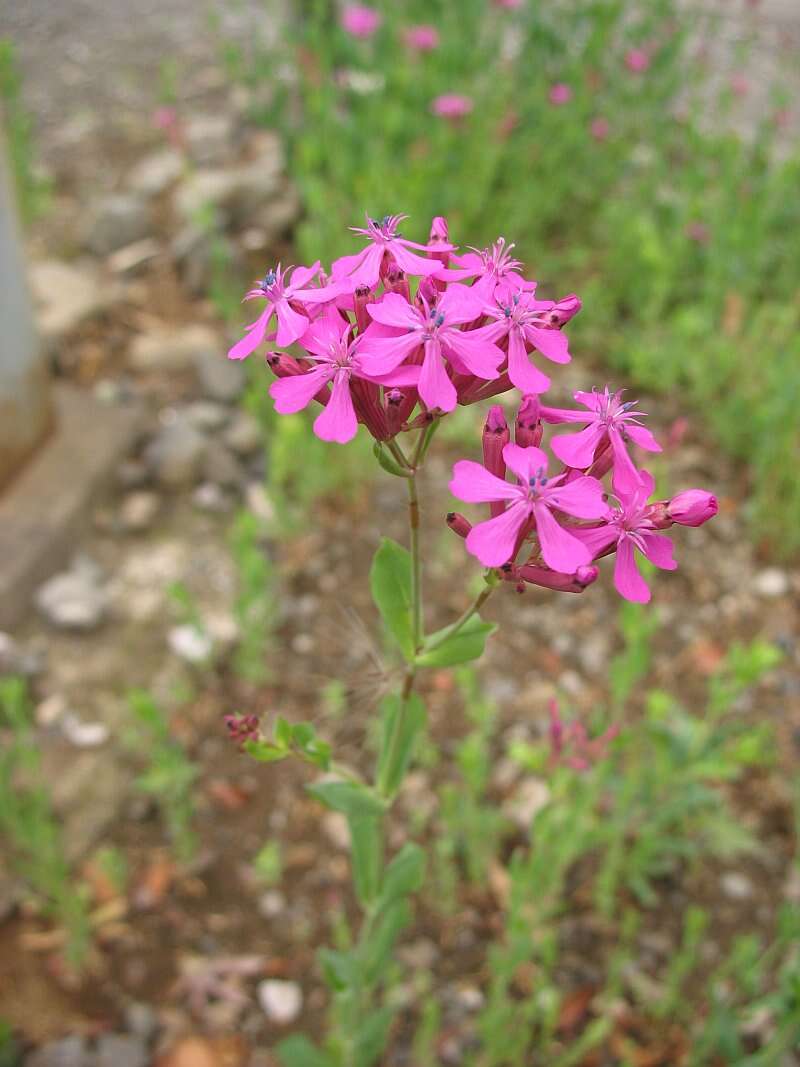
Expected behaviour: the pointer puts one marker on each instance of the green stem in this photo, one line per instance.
(416, 561)
(491, 583)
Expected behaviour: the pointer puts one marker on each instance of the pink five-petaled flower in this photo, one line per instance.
(632, 527)
(609, 420)
(279, 292)
(421, 38)
(337, 357)
(360, 21)
(560, 94)
(533, 498)
(435, 328)
(489, 267)
(637, 60)
(524, 321)
(452, 106)
(364, 268)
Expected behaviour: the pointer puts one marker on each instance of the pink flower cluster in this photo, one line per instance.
(400, 333)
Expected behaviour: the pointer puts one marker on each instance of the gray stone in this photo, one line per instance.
(190, 643)
(206, 415)
(771, 582)
(67, 295)
(14, 659)
(154, 174)
(141, 1019)
(172, 349)
(220, 378)
(243, 435)
(67, 1052)
(736, 886)
(223, 468)
(176, 454)
(121, 1050)
(210, 497)
(118, 221)
(211, 138)
(132, 259)
(527, 801)
(73, 600)
(280, 1001)
(138, 510)
(198, 251)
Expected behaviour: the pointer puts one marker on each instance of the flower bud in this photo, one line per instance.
(397, 282)
(361, 297)
(427, 293)
(528, 428)
(393, 402)
(458, 524)
(692, 507)
(563, 310)
(496, 436)
(439, 235)
(559, 583)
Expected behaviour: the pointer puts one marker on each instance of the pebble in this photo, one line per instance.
(141, 1019)
(153, 174)
(14, 659)
(73, 600)
(67, 1052)
(138, 510)
(335, 828)
(83, 734)
(210, 497)
(221, 467)
(220, 379)
(132, 474)
(121, 1050)
(280, 1001)
(771, 582)
(210, 138)
(175, 455)
(189, 643)
(167, 348)
(271, 904)
(736, 886)
(243, 436)
(259, 503)
(116, 221)
(67, 295)
(207, 415)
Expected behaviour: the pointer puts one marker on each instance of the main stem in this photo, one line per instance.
(416, 560)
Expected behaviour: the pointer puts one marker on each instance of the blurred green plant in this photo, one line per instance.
(33, 191)
(255, 604)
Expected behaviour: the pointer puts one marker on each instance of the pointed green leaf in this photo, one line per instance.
(372, 1036)
(390, 581)
(298, 1051)
(339, 969)
(264, 751)
(395, 757)
(350, 798)
(464, 645)
(366, 850)
(404, 874)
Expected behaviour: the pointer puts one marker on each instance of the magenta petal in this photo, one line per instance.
(411, 263)
(658, 550)
(494, 541)
(435, 387)
(596, 538)
(582, 497)
(291, 324)
(627, 580)
(394, 310)
(626, 478)
(472, 483)
(254, 336)
(301, 276)
(369, 271)
(578, 449)
(379, 355)
(524, 462)
(642, 437)
(526, 377)
(337, 420)
(479, 356)
(297, 391)
(552, 344)
(560, 550)
(408, 374)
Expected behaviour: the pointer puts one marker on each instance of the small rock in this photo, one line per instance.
(334, 826)
(469, 999)
(190, 643)
(68, 1052)
(210, 497)
(219, 378)
(189, 1052)
(73, 600)
(138, 510)
(130, 259)
(210, 138)
(259, 503)
(50, 710)
(243, 435)
(222, 468)
(132, 474)
(168, 349)
(736, 886)
(419, 955)
(530, 797)
(117, 221)
(84, 734)
(206, 415)
(14, 659)
(175, 455)
(121, 1050)
(280, 1001)
(141, 1019)
(67, 295)
(771, 582)
(155, 173)
(271, 904)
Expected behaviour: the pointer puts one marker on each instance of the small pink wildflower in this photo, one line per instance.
(386, 246)
(490, 268)
(509, 5)
(421, 38)
(524, 323)
(740, 86)
(637, 60)
(452, 106)
(530, 502)
(600, 128)
(360, 21)
(242, 728)
(560, 94)
(698, 232)
(570, 744)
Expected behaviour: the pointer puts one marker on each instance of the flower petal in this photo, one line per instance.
(553, 344)
(301, 276)
(627, 580)
(596, 538)
(394, 310)
(412, 263)
(560, 550)
(658, 550)
(524, 462)
(480, 356)
(642, 437)
(626, 479)
(291, 324)
(254, 336)
(582, 497)
(494, 541)
(435, 387)
(472, 483)
(379, 355)
(298, 390)
(337, 421)
(578, 449)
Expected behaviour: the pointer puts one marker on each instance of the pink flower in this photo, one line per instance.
(631, 527)
(242, 728)
(692, 507)
(452, 106)
(338, 360)
(280, 294)
(530, 502)
(509, 5)
(524, 322)
(637, 60)
(608, 420)
(360, 21)
(699, 232)
(570, 743)
(386, 246)
(489, 267)
(600, 128)
(560, 94)
(739, 84)
(435, 330)
(421, 38)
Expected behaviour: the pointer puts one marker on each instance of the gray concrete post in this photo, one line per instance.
(25, 409)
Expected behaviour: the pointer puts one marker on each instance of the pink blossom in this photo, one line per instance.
(699, 232)
(570, 743)
(281, 293)
(421, 38)
(560, 94)
(242, 728)
(338, 359)
(607, 420)
(509, 5)
(631, 527)
(385, 246)
(523, 322)
(600, 128)
(489, 267)
(739, 84)
(530, 502)
(435, 330)
(637, 60)
(692, 507)
(360, 21)
(452, 106)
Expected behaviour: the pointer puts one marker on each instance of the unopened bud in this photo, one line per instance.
(692, 507)
(603, 460)
(458, 524)
(427, 293)
(528, 428)
(439, 235)
(397, 282)
(563, 310)
(361, 297)
(496, 436)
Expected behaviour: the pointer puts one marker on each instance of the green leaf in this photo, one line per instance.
(282, 732)
(366, 849)
(265, 751)
(395, 758)
(381, 943)
(350, 798)
(404, 874)
(372, 1035)
(390, 581)
(466, 644)
(298, 1051)
(387, 461)
(339, 969)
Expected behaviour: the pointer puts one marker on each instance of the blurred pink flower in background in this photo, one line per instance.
(509, 5)
(167, 118)
(421, 38)
(452, 106)
(560, 94)
(698, 231)
(637, 60)
(739, 84)
(600, 128)
(782, 118)
(360, 21)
